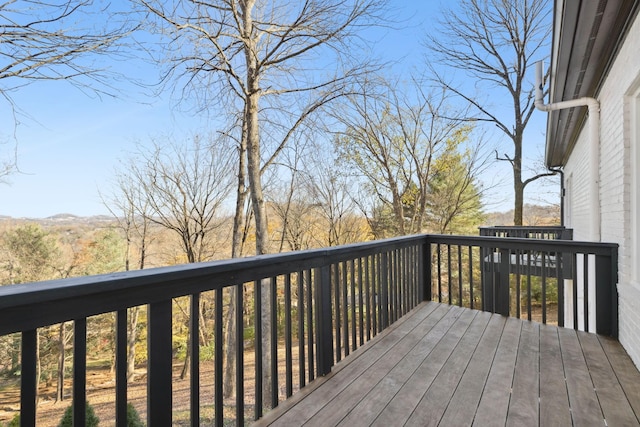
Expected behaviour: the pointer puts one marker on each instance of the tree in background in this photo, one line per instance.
(494, 43)
(102, 253)
(42, 40)
(130, 209)
(31, 255)
(330, 189)
(394, 142)
(182, 189)
(254, 59)
(454, 198)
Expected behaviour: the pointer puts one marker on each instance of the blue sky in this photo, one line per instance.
(69, 143)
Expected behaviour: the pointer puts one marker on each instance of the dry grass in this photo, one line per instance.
(101, 394)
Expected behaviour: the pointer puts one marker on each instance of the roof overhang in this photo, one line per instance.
(586, 37)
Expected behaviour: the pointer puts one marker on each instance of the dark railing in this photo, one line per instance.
(329, 302)
(529, 232)
(323, 305)
(571, 284)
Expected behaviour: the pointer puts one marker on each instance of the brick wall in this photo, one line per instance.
(615, 182)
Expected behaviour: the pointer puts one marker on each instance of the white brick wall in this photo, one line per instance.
(615, 183)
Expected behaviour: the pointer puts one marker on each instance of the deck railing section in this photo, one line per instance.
(322, 305)
(529, 232)
(568, 283)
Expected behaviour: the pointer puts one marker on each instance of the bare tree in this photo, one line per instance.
(182, 189)
(130, 208)
(393, 141)
(332, 190)
(43, 40)
(494, 42)
(255, 56)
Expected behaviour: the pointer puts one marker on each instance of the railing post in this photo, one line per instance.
(384, 291)
(29, 382)
(324, 327)
(488, 279)
(159, 349)
(424, 278)
(79, 372)
(607, 294)
(121, 368)
(502, 285)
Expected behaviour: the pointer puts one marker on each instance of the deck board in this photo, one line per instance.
(345, 401)
(368, 409)
(625, 371)
(462, 406)
(554, 400)
(445, 365)
(523, 405)
(404, 402)
(610, 393)
(582, 396)
(435, 401)
(494, 402)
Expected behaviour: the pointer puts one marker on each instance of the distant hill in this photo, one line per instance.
(63, 219)
(533, 215)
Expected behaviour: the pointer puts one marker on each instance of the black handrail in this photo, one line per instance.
(547, 232)
(342, 297)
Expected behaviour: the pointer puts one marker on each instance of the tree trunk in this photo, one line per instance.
(60, 385)
(187, 357)
(228, 381)
(518, 208)
(229, 375)
(132, 336)
(257, 200)
(518, 188)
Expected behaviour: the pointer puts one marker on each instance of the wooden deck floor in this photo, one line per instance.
(449, 366)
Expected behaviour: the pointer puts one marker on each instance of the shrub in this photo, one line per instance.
(133, 418)
(91, 419)
(15, 421)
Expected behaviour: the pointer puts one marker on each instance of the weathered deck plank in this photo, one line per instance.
(626, 372)
(435, 401)
(448, 366)
(494, 402)
(404, 402)
(345, 401)
(345, 373)
(554, 401)
(610, 393)
(464, 403)
(523, 405)
(374, 402)
(582, 397)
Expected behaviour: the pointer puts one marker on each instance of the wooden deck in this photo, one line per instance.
(449, 366)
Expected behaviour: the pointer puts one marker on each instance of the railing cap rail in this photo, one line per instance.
(35, 304)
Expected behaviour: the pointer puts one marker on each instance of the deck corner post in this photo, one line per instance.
(607, 294)
(324, 353)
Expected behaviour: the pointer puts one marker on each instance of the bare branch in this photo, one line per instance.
(493, 43)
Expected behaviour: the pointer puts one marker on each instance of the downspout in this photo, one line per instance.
(560, 172)
(594, 141)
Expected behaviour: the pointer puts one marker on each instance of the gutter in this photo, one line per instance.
(594, 142)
